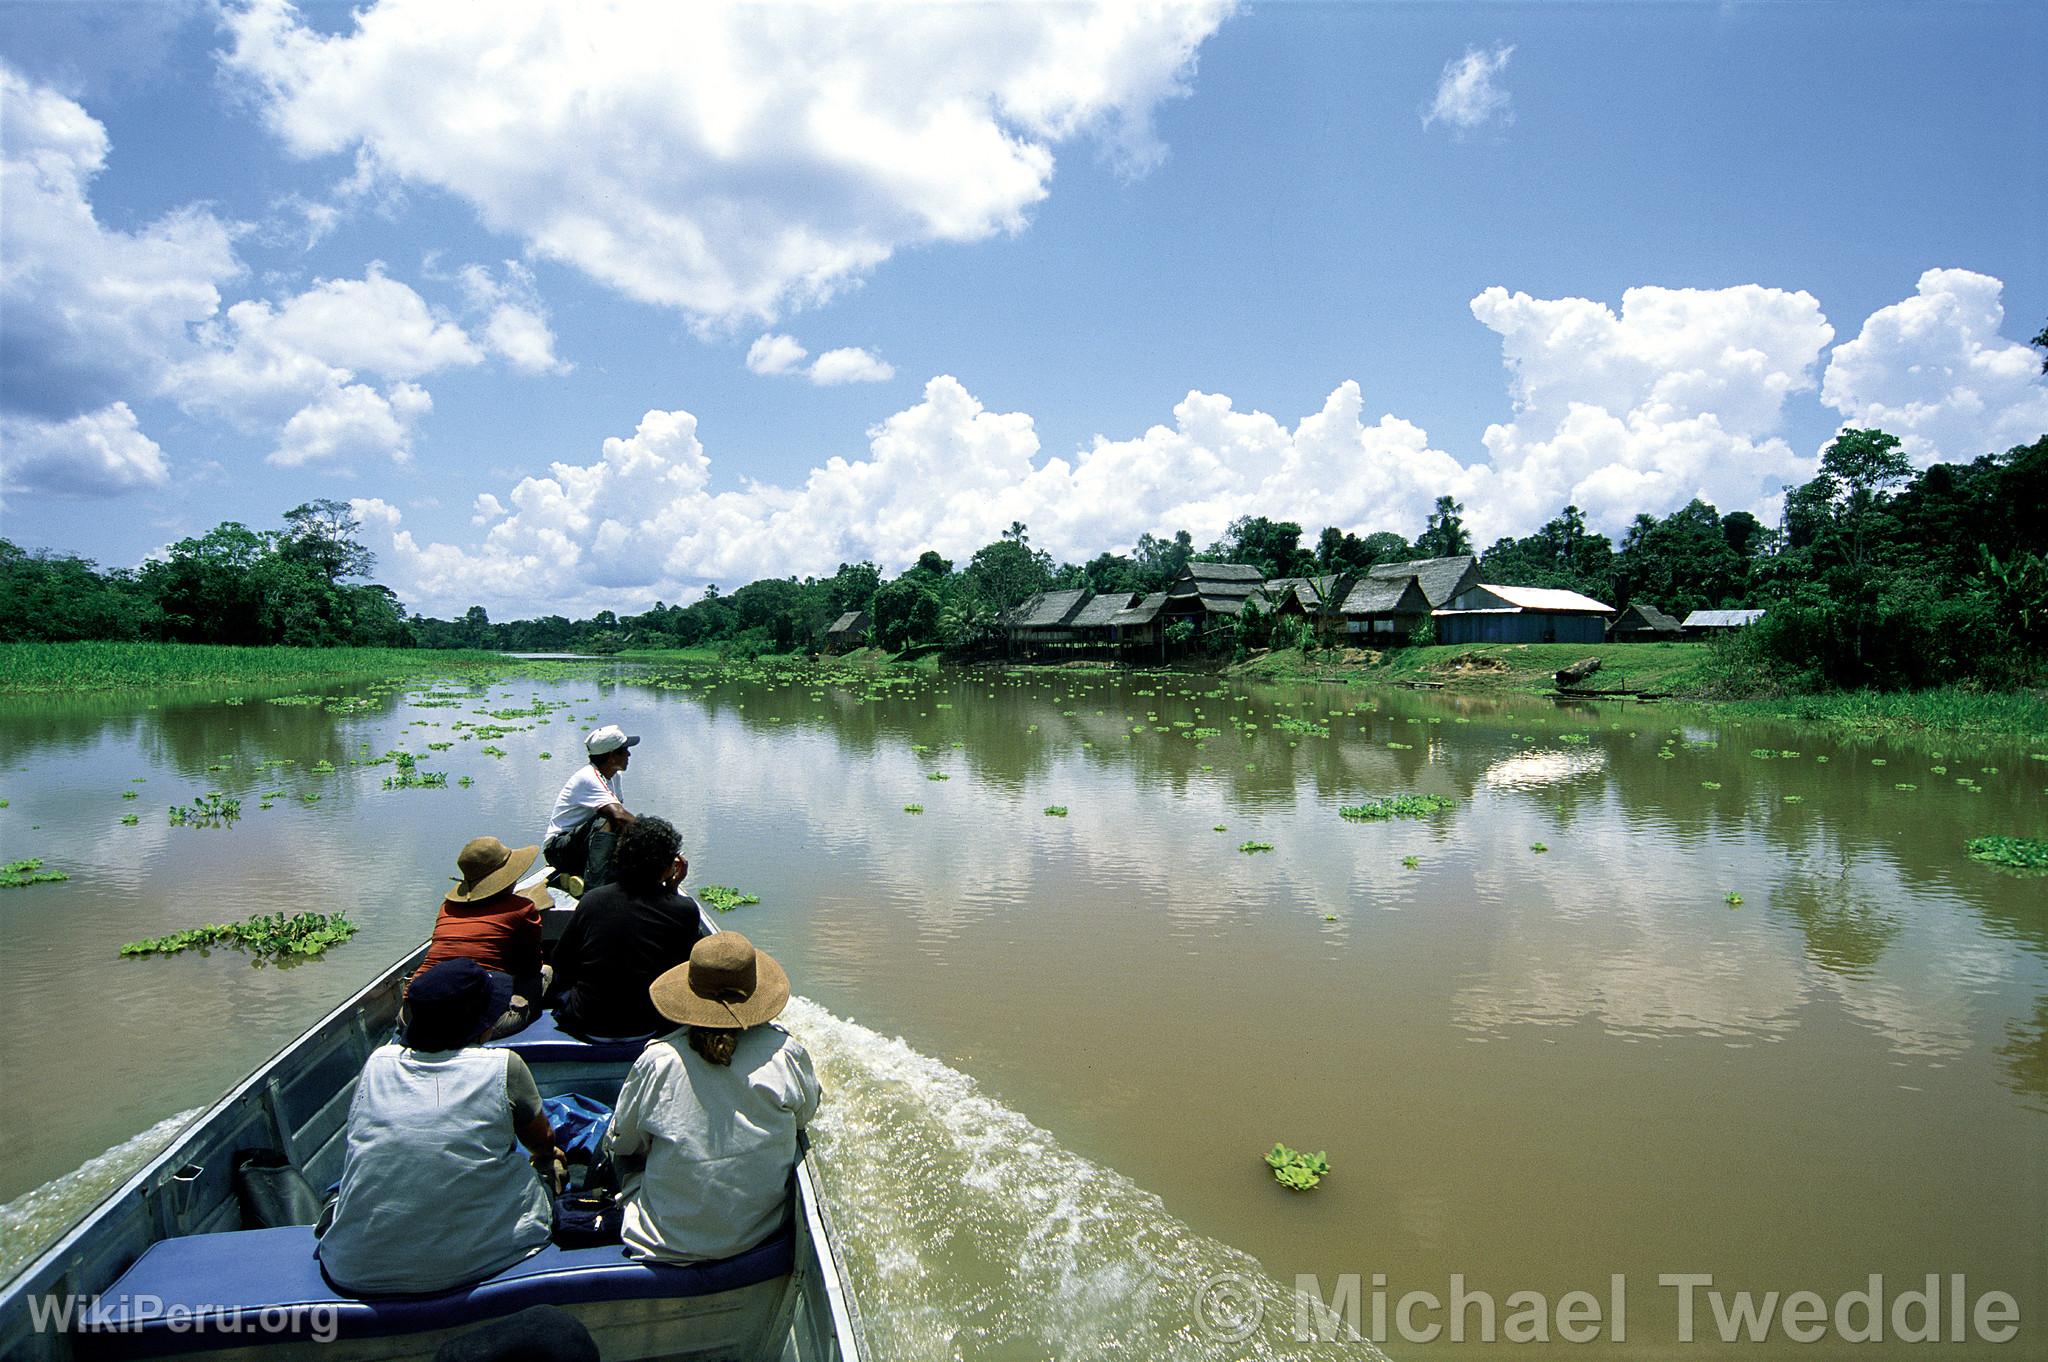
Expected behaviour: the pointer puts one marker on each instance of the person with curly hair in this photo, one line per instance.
(625, 934)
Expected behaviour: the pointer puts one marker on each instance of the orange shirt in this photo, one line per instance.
(501, 932)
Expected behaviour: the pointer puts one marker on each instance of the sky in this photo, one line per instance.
(585, 307)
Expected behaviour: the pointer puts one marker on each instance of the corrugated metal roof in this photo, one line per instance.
(1722, 619)
(1547, 599)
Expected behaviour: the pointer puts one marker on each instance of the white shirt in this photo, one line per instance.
(705, 1150)
(579, 801)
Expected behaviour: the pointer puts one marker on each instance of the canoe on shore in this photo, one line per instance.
(165, 1266)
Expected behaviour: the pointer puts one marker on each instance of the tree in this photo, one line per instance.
(852, 587)
(1007, 571)
(906, 611)
(1161, 560)
(1271, 546)
(322, 535)
(1681, 563)
(2041, 340)
(1444, 535)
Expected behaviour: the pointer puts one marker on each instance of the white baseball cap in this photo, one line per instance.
(610, 738)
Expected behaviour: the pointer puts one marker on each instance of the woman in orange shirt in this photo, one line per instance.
(485, 919)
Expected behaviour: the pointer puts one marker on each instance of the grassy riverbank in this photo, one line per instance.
(1683, 671)
(71, 668)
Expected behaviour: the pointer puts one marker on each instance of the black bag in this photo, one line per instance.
(272, 1192)
(569, 852)
(588, 1219)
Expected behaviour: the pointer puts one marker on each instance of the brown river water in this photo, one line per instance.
(1056, 1047)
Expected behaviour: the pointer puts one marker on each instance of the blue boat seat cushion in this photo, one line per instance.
(244, 1284)
(543, 1039)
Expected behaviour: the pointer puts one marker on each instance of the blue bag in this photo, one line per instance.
(579, 1125)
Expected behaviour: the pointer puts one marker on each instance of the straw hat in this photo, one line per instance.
(489, 867)
(727, 983)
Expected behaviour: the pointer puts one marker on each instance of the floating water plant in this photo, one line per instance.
(1223, 827)
(323, 767)
(938, 775)
(271, 935)
(1397, 806)
(410, 777)
(1410, 862)
(1795, 799)
(725, 898)
(1249, 847)
(1055, 811)
(129, 820)
(1538, 847)
(22, 874)
(1905, 785)
(1295, 1170)
(1710, 784)
(913, 808)
(2015, 853)
(466, 781)
(1734, 900)
(131, 794)
(210, 810)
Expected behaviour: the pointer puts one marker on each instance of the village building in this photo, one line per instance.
(1138, 625)
(1642, 622)
(1487, 613)
(1094, 622)
(1709, 623)
(1212, 594)
(849, 631)
(1042, 618)
(1320, 600)
(1384, 611)
(1390, 602)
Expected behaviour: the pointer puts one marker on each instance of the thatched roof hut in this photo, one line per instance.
(1213, 589)
(1642, 622)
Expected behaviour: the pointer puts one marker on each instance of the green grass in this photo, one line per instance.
(2014, 714)
(70, 668)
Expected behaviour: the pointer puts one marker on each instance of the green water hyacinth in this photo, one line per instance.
(2014, 853)
(1055, 811)
(210, 810)
(725, 898)
(22, 874)
(264, 935)
(1295, 1170)
(1397, 806)
(1250, 847)
(913, 808)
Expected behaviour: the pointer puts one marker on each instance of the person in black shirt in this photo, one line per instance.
(625, 934)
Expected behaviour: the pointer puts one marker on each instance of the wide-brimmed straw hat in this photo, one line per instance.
(489, 867)
(447, 1005)
(726, 983)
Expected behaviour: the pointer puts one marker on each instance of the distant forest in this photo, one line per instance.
(1875, 576)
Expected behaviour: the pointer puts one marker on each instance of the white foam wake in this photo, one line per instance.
(971, 1233)
(34, 1220)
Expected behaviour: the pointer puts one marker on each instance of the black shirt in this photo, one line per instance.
(616, 944)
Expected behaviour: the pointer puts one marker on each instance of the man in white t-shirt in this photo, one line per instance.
(588, 812)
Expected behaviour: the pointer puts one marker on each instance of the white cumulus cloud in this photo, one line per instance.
(1934, 371)
(775, 354)
(731, 162)
(1467, 95)
(86, 313)
(351, 421)
(850, 364)
(94, 454)
(515, 323)
(1679, 395)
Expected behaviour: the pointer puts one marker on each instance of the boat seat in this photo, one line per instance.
(244, 1283)
(544, 1039)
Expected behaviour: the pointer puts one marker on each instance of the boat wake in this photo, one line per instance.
(969, 1232)
(34, 1220)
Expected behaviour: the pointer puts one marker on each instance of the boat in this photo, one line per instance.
(166, 1267)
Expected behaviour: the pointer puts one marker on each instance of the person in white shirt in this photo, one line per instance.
(704, 1135)
(588, 812)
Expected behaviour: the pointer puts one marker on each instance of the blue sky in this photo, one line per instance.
(589, 313)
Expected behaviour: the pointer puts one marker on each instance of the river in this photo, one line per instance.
(1658, 993)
